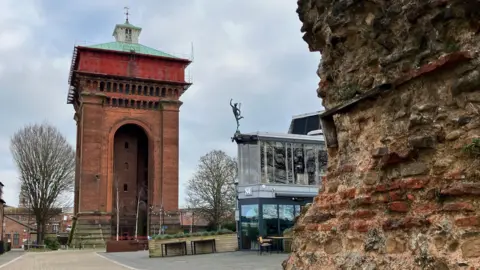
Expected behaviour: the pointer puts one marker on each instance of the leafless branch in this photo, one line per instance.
(211, 190)
(46, 164)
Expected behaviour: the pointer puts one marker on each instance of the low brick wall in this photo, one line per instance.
(224, 243)
(126, 245)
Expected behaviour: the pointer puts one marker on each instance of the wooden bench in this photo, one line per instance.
(174, 243)
(193, 245)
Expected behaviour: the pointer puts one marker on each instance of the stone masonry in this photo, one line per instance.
(400, 80)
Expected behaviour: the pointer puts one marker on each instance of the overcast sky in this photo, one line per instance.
(249, 50)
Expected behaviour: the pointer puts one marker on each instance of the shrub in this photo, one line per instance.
(52, 243)
(473, 148)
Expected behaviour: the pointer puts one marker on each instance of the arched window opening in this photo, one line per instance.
(102, 86)
(125, 187)
(127, 89)
(120, 90)
(164, 92)
(151, 91)
(157, 91)
(109, 86)
(145, 90)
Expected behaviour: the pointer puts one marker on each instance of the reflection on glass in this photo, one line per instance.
(280, 175)
(310, 164)
(289, 164)
(297, 210)
(249, 225)
(249, 163)
(286, 216)
(270, 219)
(298, 164)
(284, 163)
(270, 162)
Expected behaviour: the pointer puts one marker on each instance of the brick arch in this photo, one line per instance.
(151, 157)
(123, 122)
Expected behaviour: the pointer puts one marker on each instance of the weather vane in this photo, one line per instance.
(236, 113)
(126, 12)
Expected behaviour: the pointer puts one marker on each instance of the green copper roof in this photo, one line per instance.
(128, 25)
(128, 47)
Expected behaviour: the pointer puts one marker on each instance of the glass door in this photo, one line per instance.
(270, 220)
(249, 226)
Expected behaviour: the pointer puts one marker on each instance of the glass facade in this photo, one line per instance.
(266, 218)
(279, 162)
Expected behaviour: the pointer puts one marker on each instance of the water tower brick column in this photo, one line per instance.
(91, 146)
(170, 157)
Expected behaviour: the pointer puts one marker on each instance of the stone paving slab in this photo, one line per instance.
(61, 260)
(10, 256)
(220, 261)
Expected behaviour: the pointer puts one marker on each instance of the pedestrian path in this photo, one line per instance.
(58, 260)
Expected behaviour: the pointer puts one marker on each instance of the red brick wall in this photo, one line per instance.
(98, 122)
(156, 68)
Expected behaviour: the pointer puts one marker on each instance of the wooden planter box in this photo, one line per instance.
(224, 243)
(126, 245)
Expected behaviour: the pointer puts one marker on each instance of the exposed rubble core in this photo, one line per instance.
(403, 183)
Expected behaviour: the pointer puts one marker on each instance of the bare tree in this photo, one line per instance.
(211, 190)
(46, 164)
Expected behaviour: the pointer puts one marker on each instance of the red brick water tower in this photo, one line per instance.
(126, 101)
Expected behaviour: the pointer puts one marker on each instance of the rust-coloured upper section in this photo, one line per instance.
(126, 66)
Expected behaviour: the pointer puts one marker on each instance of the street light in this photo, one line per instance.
(237, 211)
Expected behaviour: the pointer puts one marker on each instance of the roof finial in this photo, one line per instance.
(126, 13)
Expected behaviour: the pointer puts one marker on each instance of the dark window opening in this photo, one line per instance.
(109, 86)
(134, 88)
(120, 90)
(120, 102)
(126, 165)
(155, 106)
(114, 87)
(126, 145)
(157, 92)
(164, 92)
(127, 89)
(151, 91)
(125, 187)
(115, 104)
(138, 105)
(145, 90)
(102, 86)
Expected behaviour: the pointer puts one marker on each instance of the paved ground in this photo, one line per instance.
(57, 260)
(219, 261)
(92, 260)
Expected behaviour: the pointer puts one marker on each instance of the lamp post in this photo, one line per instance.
(237, 210)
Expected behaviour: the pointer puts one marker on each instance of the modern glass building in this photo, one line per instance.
(277, 175)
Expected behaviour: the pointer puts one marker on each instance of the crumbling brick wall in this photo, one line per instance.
(403, 183)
